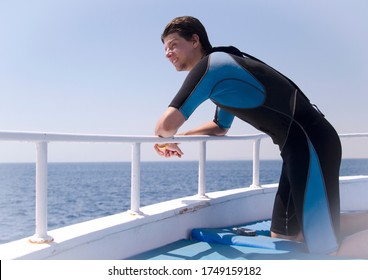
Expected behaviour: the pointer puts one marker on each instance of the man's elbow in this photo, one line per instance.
(169, 123)
(221, 131)
(165, 130)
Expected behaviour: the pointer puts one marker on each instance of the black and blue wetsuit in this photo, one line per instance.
(308, 195)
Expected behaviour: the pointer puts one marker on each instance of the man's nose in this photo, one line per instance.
(168, 53)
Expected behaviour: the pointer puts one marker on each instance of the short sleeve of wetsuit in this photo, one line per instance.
(223, 118)
(195, 90)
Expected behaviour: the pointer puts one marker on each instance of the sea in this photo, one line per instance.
(79, 192)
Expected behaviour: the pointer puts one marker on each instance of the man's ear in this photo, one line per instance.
(195, 40)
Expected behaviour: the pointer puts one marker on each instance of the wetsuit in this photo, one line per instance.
(307, 199)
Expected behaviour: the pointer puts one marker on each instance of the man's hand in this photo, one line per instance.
(168, 150)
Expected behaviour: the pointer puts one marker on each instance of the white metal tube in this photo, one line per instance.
(88, 138)
(135, 179)
(256, 151)
(40, 235)
(85, 138)
(202, 170)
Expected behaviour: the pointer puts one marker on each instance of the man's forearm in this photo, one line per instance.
(209, 128)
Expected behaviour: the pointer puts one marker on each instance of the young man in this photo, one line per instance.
(307, 202)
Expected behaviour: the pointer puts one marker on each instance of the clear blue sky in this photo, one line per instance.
(98, 67)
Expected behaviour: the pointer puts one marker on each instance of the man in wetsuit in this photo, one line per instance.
(307, 202)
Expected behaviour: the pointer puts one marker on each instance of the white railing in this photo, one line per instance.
(41, 141)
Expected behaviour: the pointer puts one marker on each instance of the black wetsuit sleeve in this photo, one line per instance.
(197, 88)
(190, 83)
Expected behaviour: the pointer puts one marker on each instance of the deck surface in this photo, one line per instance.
(224, 244)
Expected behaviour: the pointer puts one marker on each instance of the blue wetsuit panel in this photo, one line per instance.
(223, 118)
(318, 228)
(227, 83)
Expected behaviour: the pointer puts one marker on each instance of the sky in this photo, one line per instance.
(99, 67)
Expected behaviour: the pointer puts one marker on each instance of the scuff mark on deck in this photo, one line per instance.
(194, 208)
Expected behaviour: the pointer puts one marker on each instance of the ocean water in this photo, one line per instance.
(83, 191)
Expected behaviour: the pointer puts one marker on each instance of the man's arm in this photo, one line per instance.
(173, 119)
(169, 123)
(209, 128)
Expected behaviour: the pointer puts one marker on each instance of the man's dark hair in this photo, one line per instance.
(186, 27)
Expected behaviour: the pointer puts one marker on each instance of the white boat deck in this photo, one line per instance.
(124, 235)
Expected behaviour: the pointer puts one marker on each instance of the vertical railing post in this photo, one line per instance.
(202, 170)
(256, 152)
(40, 235)
(135, 179)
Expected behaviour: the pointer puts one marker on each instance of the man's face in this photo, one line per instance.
(181, 52)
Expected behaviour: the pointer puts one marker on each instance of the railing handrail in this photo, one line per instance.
(68, 137)
(28, 136)
(42, 139)
(353, 135)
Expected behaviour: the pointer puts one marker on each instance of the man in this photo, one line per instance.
(307, 202)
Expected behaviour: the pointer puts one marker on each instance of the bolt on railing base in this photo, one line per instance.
(202, 196)
(41, 240)
(135, 213)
